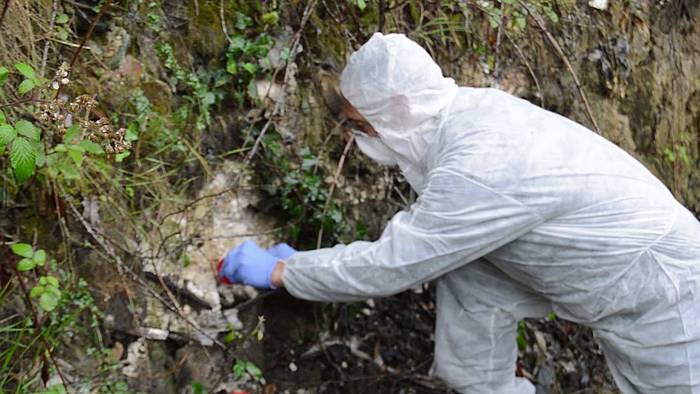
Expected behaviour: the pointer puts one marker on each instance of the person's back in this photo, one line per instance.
(615, 250)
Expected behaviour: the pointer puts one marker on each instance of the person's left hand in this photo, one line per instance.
(248, 264)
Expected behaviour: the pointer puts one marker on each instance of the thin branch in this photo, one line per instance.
(529, 67)
(45, 55)
(327, 205)
(223, 22)
(565, 59)
(123, 267)
(499, 36)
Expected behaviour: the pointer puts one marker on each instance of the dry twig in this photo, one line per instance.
(341, 162)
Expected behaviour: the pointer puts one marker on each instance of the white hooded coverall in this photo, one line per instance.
(520, 212)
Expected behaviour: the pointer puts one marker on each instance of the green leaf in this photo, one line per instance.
(36, 291)
(71, 134)
(7, 134)
(26, 265)
(23, 159)
(132, 133)
(52, 281)
(361, 5)
(48, 301)
(76, 155)
(62, 18)
(2, 116)
(39, 257)
(239, 369)
(121, 156)
(62, 33)
(253, 370)
(22, 250)
(243, 21)
(270, 18)
(28, 130)
(92, 147)
(53, 290)
(551, 14)
(69, 170)
(25, 86)
(4, 72)
(249, 67)
(26, 70)
(231, 66)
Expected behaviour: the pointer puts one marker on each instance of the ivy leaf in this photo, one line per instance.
(39, 257)
(48, 301)
(36, 291)
(52, 281)
(26, 70)
(25, 265)
(53, 290)
(7, 134)
(22, 250)
(92, 147)
(28, 130)
(23, 159)
(249, 67)
(25, 86)
(62, 18)
(4, 72)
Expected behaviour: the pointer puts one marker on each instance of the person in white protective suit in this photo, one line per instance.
(520, 212)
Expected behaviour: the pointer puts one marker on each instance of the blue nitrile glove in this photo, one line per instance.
(282, 251)
(250, 265)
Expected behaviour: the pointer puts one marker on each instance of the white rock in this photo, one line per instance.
(292, 367)
(599, 4)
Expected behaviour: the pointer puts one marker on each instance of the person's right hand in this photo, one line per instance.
(281, 251)
(249, 264)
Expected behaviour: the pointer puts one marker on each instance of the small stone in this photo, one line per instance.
(344, 364)
(599, 4)
(292, 367)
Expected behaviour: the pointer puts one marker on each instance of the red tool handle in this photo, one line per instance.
(222, 279)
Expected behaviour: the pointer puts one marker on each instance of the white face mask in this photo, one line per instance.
(375, 149)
